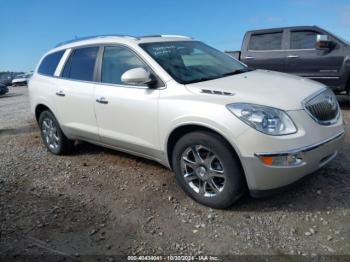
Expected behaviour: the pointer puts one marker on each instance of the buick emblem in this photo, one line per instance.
(331, 102)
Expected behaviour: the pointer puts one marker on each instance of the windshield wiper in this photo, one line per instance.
(202, 79)
(238, 71)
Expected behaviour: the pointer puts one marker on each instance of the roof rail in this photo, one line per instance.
(89, 37)
(109, 35)
(179, 36)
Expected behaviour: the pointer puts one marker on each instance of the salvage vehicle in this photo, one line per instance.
(307, 51)
(221, 127)
(21, 80)
(6, 79)
(3, 89)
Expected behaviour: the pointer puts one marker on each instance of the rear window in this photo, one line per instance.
(50, 62)
(270, 41)
(81, 64)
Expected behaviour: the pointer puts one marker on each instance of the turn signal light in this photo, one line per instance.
(267, 160)
(282, 160)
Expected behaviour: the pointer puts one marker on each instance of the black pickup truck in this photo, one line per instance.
(307, 51)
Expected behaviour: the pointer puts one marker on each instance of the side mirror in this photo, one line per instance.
(136, 76)
(323, 42)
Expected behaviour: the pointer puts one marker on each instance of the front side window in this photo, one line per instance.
(50, 62)
(116, 61)
(269, 41)
(303, 40)
(192, 61)
(81, 64)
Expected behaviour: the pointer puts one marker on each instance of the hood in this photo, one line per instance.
(347, 50)
(261, 87)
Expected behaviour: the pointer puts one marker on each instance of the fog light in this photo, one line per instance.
(282, 160)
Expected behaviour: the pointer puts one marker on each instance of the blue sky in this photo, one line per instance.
(30, 28)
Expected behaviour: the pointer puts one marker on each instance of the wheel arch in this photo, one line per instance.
(184, 129)
(39, 108)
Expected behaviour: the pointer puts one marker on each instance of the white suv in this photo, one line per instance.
(219, 125)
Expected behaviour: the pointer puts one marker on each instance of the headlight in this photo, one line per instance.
(265, 119)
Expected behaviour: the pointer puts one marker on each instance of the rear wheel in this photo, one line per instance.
(207, 169)
(54, 139)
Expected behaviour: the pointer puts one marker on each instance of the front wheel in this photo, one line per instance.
(208, 170)
(54, 139)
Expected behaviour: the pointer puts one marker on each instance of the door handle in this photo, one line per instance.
(293, 56)
(60, 93)
(249, 57)
(102, 100)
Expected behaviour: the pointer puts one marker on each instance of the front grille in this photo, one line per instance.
(323, 107)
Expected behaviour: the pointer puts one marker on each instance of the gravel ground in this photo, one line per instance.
(102, 202)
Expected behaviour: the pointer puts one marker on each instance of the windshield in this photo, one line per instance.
(192, 61)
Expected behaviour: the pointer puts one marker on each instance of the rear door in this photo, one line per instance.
(265, 50)
(305, 60)
(74, 94)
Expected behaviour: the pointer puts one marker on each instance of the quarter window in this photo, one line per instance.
(116, 61)
(50, 62)
(270, 41)
(81, 64)
(303, 40)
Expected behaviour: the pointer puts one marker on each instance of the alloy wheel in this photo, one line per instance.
(50, 133)
(203, 171)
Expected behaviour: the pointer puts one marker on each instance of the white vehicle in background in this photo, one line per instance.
(222, 127)
(21, 80)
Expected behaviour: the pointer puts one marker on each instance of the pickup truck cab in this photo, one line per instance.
(307, 51)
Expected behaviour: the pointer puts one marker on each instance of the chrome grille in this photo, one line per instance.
(323, 107)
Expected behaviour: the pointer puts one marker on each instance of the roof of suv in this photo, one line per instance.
(121, 38)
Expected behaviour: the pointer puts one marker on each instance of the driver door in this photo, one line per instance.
(127, 115)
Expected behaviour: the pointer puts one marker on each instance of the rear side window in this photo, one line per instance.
(303, 40)
(81, 64)
(270, 41)
(50, 62)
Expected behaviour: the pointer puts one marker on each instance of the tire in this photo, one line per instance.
(54, 139)
(218, 188)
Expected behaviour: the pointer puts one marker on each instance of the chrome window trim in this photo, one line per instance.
(301, 149)
(323, 77)
(279, 50)
(323, 123)
(102, 45)
(100, 83)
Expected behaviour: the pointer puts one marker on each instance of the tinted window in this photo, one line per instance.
(303, 40)
(271, 41)
(116, 61)
(81, 64)
(49, 63)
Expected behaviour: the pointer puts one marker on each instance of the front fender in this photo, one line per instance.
(227, 125)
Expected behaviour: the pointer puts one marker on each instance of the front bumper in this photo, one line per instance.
(264, 177)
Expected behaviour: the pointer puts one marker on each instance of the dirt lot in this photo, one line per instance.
(101, 202)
